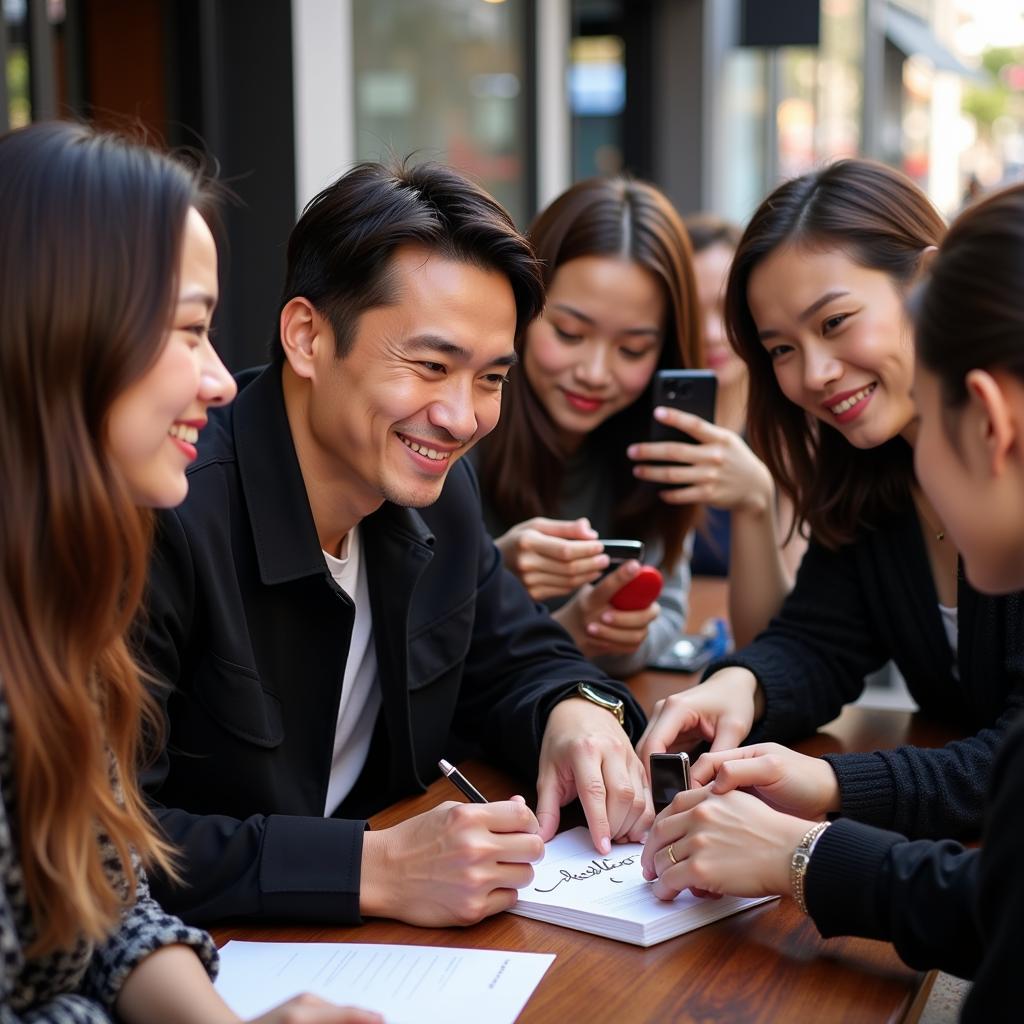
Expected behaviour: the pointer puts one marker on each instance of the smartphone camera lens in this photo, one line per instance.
(671, 394)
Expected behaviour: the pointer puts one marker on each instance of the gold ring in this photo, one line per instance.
(671, 854)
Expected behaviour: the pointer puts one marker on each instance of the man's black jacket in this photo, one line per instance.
(247, 635)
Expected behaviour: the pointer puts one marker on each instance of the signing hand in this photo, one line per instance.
(586, 753)
(596, 627)
(455, 864)
(790, 782)
(552, 557)
(719, 470)
(733, 844)
(721, 710)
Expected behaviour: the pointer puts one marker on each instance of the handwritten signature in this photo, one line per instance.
(593, 870)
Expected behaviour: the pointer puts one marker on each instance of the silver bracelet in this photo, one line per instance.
(801, 858)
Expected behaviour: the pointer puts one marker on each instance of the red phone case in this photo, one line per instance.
(640, 592)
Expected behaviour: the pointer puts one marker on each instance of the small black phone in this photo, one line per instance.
(670, 774)
(690, 391)
(619, 551)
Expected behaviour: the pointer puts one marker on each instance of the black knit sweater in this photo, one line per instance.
(941, 906)
(852, 610)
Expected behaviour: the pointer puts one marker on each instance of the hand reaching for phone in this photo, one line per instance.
(552, 557)
(596, 625)
(785, 779)
(721, 710)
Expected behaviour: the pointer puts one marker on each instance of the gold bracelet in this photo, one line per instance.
(801, 858)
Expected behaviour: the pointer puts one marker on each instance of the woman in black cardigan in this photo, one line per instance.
(815, 307)
(941, 905)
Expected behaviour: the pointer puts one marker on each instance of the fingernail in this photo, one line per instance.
(604, 845)
(660, 412)
(632, 450)
(603, 560)
(592, 628)
(607, 617)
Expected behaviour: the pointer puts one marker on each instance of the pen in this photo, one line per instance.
(457, 779)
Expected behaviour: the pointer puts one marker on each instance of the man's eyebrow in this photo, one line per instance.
(586, 319)
(442, 346)
(204, 298)
(813, 308)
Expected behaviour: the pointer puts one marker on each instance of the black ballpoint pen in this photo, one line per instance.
(457, 779)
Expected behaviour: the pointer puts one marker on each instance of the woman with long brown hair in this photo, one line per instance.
(555, 474)
(815, 306)
(747, 533)
(941, 905)
(108, 279)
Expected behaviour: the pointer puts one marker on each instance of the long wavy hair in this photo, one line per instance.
(89, 254)
(522, 463)
(882, 221)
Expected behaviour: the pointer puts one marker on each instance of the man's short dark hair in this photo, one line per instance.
(340, 251)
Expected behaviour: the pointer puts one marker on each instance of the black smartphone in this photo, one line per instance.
(690, 391)
(619, 551)
(670, 774)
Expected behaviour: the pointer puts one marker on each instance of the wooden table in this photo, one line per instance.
(765, 964)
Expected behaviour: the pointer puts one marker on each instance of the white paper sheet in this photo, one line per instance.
(577, 888)
(406, 984)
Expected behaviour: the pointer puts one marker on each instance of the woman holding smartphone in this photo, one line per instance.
(941, 905)
(555, 475)
(108, 279)
(815, 305)
(747, 532)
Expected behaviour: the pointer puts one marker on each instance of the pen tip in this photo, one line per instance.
(445, 766)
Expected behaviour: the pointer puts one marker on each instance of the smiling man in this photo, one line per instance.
(326, 608)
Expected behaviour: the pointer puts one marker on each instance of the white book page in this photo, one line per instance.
(574, 878)
(406, 984)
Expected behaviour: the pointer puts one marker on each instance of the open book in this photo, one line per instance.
(608, 896)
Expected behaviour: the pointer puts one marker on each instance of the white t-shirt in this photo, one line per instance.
(360, 691)
(949, 624)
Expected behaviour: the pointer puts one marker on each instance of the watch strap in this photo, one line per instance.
(603, 700)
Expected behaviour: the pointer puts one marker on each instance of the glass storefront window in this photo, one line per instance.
(597, 99)
(446, 80)
(791, 109)
(19, 103)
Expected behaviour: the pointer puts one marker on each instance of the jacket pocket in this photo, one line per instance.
(235, 698)
(440, 645)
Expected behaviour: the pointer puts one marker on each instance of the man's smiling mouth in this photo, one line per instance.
(429, 453)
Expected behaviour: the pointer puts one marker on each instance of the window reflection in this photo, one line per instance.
(445, 80)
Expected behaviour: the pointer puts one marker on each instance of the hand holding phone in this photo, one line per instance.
(641, 591)
(597, 626)
(691, 391)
